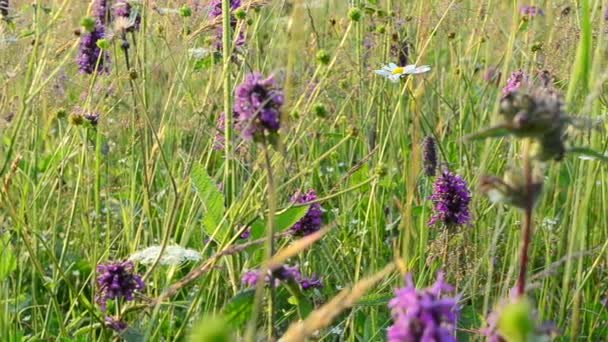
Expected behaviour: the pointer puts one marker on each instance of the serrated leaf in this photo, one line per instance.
(213, 202)
(492, 132)
(282, 222)
(239, 308)
(587, 153)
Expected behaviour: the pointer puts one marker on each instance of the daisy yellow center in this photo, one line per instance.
(398, 70)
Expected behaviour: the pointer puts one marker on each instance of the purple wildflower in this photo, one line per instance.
(100, 11)
(491, 330)
(313, 220)
(246, 233)
(117, 280)
(115, 324)
(91, 57)
(282, 274)
(216, 11)
(216, 7)
(530, 11)
(124, 9)
(311, 283)
(515, 81)
(257, 107)
(425, 315)
(250, 278)
(451, 199)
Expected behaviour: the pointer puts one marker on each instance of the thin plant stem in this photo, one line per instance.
(272, 208)
(526, 226)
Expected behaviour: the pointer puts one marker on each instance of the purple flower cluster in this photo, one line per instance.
(451, 199)
(90, 57)
(90, 54)
(115, 324)
(124, 9)
(426, 315)
(115, 281)
(515, 81)
(100, 11)
(216, 11)
(530, 11)
(257, 107)
(313, 220)
(283, 273)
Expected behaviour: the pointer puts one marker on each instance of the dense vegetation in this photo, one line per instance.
(390, 170)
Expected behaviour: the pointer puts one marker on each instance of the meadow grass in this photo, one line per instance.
(75, 195)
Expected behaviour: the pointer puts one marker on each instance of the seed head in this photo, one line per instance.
(429, 151)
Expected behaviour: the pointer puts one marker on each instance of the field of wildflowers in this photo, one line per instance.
(303, 170)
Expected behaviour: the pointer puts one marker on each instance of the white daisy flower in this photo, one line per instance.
(394, 72)
(172, 255)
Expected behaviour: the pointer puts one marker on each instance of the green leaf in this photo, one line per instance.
(492, 132)
(239, 308)
(8, 262)
(298, 299)
(211, 329)
(374, 300)
(282, 222)
(213, 202)
(589, 153)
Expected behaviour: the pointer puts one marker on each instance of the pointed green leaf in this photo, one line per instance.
(283, 221)
(8, 262)
(211, 329)
(213, 202)
(239, 308)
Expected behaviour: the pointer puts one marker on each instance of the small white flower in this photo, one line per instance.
(173, 255)
(199, 53)
(394, 72)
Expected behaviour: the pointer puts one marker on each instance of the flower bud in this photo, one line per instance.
(355, 14)
(88, 23)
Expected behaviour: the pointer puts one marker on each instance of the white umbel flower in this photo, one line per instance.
(199, 53)
(394, 72)
(173, 255)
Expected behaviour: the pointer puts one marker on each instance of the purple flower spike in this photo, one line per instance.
(257, 107)
(313, 220)
(530, 11)
(215, 12)
(451, 199)
(100, 11)
(426, 315)
(515, 81)
(90, 53)
(115, 281)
